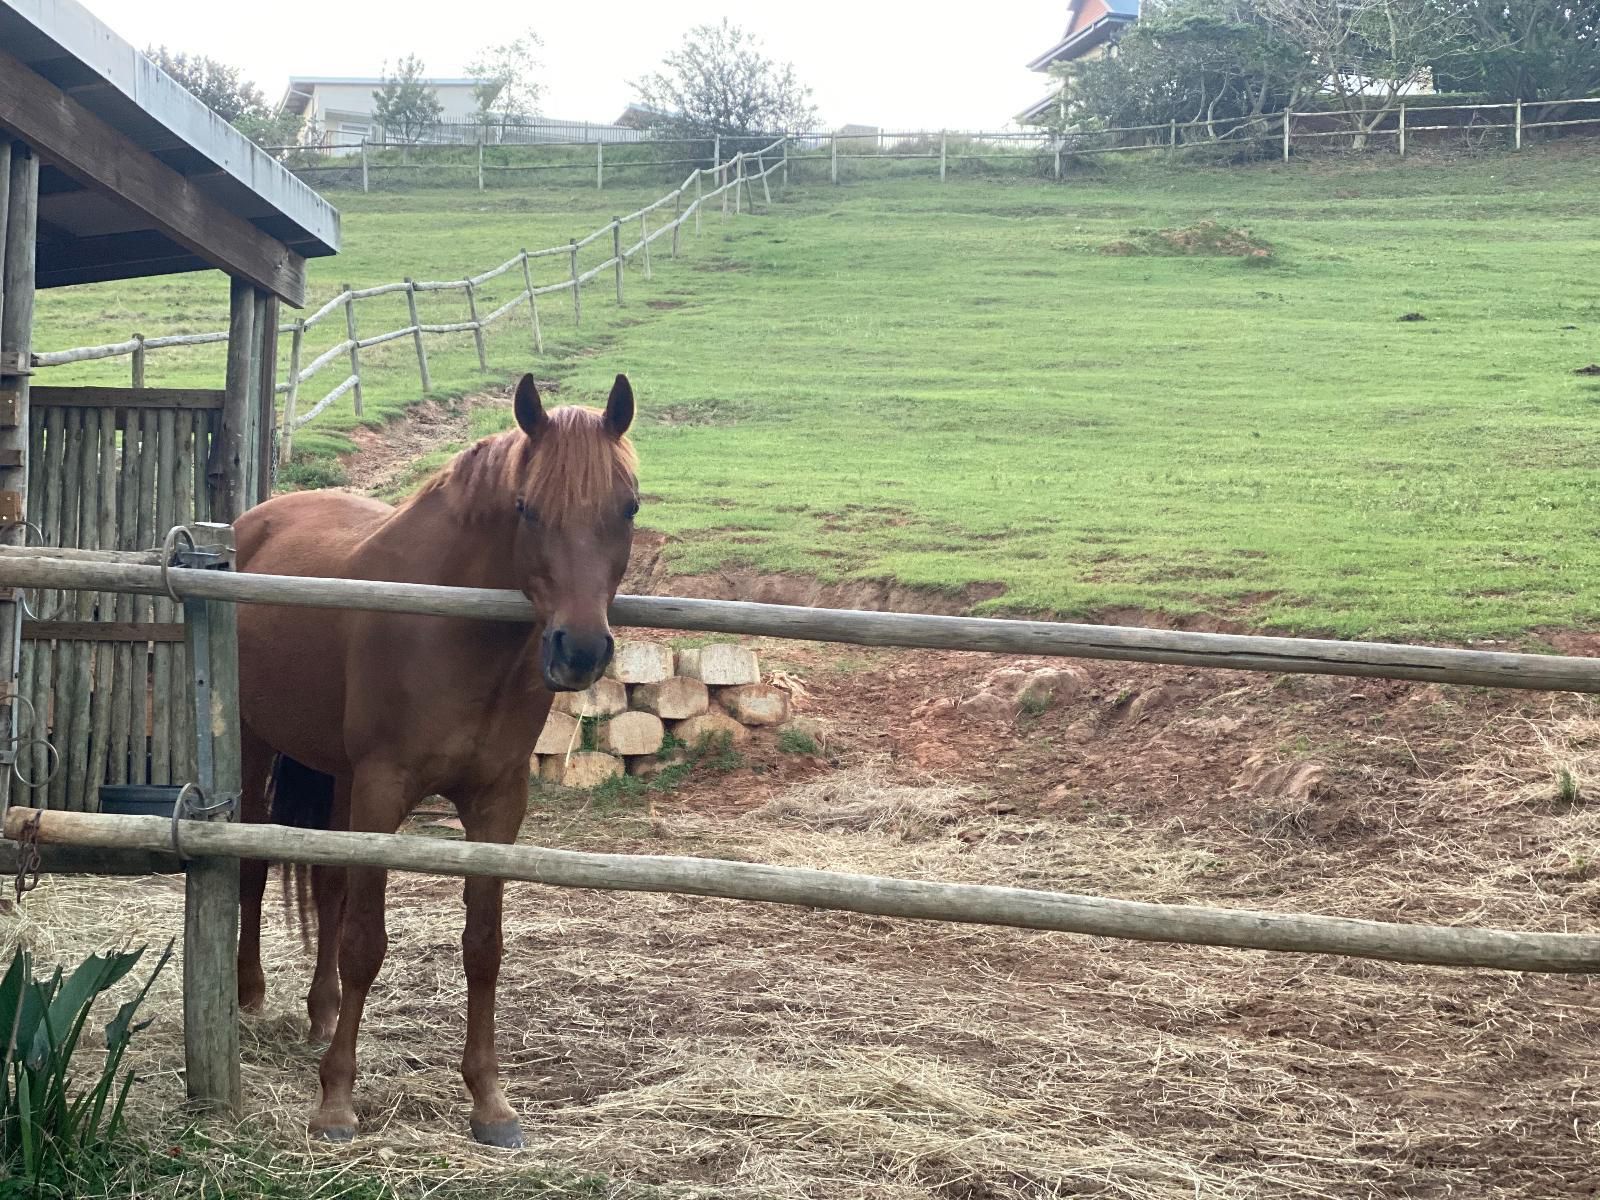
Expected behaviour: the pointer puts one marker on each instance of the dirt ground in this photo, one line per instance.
(714, 1048)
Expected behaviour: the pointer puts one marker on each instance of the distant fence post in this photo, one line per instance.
(738, 182)
(786, 160)
(533, 303)
(1059, 143)
(577, 288)
(1288, 122)
(599, 166)
(364, 165)
(944, 154)
(699, 195)
(644, 238)
(480, 166)
(138, 361)
(716, 155)
(477, 326)
(677, 219)
(1519, 122)
(355, 350)
(291, 402)
(833, 158)
(766, 188)
(616, 253)
(416, 335)
(1172, 133)
(1402, 130)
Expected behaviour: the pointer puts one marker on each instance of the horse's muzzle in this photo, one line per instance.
(571, 661)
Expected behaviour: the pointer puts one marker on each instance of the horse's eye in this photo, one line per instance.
(632, 510)
(528, 513)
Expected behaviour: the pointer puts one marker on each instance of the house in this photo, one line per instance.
(1093, 27)
(640, 116)
(338, 109)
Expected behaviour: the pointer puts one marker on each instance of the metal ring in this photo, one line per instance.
(49, 775)
(22, 593)
(169, 547)
(179, 810)
(33, 715)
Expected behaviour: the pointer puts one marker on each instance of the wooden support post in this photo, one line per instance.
(766, 191)
(1059, 144)
(1519, 122)
(738, 182)
(1288, 123)
(577, 288)
(1172, 133)
(833, 166)
(226, 466)
(477, 326)
(211, 885)
(786, 160)
(297, 338)
(944, 154)
(716, 156)
(533, 303)
(1402, 131)
(677, 219)
(616, 254)
(699, 194)
(599, 166)
(138, 361)
(355, 350)
(19, 224)
(416, 336)
(266, 422)
(364, 186)
(480, 165)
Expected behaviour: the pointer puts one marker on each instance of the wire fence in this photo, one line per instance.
(735, 181)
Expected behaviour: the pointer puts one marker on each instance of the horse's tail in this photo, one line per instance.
(301, 798)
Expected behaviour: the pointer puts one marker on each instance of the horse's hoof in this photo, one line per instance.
(507, 1135)
(334, 1133)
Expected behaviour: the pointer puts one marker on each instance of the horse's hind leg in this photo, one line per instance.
(255, 768)
(328, 892)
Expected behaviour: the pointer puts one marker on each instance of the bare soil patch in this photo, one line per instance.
(1209, 238)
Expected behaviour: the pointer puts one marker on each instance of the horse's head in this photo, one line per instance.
(576, 499)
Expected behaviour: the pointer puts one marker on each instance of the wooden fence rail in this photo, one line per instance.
(1306, 656)
(965, 903)
(343, 304)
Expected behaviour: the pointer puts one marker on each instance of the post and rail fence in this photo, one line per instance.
(208, 849)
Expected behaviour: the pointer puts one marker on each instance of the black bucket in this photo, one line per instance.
(138, 800)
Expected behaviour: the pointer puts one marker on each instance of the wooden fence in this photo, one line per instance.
(135, 845)
(735, 180)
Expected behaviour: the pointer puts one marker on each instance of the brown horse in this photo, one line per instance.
(384, 709)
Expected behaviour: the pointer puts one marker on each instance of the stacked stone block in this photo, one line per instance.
(649, 691)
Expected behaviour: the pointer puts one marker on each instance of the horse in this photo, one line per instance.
(350, 718)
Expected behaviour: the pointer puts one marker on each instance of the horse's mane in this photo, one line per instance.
(569, 471)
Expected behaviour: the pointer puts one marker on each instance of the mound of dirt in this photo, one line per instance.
(1208, 238)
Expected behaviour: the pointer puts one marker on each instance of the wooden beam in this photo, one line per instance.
(81, 144)
(225, 472)
(266, 422)
(104, 258)
(102, 631)
(85, 396)
(914, 899)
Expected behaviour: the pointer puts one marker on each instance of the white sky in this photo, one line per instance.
(923, 66)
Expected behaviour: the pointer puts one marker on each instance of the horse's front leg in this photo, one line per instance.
(494, 815)
(379, 800)
(256, 764)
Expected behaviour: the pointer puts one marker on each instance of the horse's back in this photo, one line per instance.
(292, 682)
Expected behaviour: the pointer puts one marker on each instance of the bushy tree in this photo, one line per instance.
(1528, 49)
(508, 86)
(226, 92)
(405, 105)
(719, 81)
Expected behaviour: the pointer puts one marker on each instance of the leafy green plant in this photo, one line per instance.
(796, 741)
(47, 1124)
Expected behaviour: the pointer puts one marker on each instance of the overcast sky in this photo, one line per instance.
(907, 65)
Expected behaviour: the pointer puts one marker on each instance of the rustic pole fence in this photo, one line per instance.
(355, 344)
(1280, 655)
(138, 361)
(913, 899)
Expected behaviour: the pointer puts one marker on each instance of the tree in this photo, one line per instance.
(506, 89)
(225, 91)
(405, 105)
(1529, 49)
(719, 81)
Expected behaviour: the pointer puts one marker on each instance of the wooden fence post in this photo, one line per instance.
(833, 162)
(944, 153)
(416, 336)
(1519, 122)
(577, 289)
(364, 187)
(533, 303)
(1402, 130)
(786, 160)
(716, 156)
(1172, 133)
(477, 326)
(1059, 143)
(699, 194)
(138, 361)
(677, 219)
(1288, 121)
(292, 400)
(599, 166)
(644, 238)
(480, 166)
(766, 190)
(616, 253)
(211, 885)
(738, 182)
(355, 350)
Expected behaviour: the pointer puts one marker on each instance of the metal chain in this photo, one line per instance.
(28, 857)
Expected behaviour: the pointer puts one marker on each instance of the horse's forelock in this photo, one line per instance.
(574, 468)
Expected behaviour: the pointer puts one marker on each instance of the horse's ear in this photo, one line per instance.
(619, 407)
(530, 413)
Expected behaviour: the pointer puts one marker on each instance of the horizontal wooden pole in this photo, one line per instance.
(1309, 656)
(963, 903)
(102, 631)
(125, 397)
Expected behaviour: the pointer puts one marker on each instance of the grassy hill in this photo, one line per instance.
(1374, 429)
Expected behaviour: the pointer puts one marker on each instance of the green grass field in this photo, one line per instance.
(950, 385)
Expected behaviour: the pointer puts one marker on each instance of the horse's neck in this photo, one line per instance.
(437, 538)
